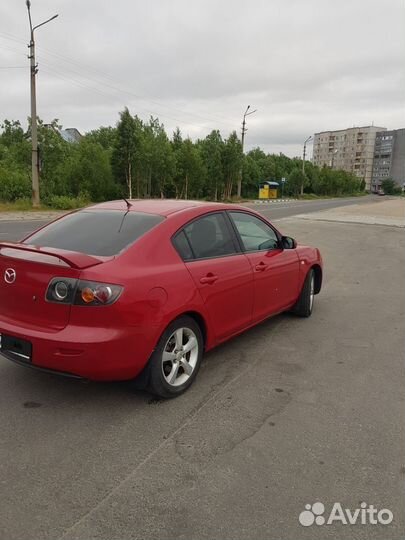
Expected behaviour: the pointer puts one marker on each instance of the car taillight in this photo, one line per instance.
(90, 293)
(83, 293)
(61, 290)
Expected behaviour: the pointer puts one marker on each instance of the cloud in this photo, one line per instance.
(306, 66)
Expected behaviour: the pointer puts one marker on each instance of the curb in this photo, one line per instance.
(273, 201)
(30, 216)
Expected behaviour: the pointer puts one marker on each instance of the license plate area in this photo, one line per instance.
(17, 348)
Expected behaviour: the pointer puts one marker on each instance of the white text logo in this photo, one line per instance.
(365, 515)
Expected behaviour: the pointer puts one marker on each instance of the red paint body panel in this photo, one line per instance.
(25, 303)
(229, 299)
(114, 342)
(275, 281)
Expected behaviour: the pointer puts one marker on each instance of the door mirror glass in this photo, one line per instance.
(289, 243)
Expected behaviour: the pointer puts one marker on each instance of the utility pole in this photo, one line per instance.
(34, 126)
(244, 130)
(303, 163)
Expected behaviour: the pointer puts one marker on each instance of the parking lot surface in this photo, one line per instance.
(292, 412)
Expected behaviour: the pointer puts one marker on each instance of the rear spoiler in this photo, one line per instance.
(73, 259)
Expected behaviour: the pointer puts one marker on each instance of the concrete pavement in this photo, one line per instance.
(390, 211)
(292, 412)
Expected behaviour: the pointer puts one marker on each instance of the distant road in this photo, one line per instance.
(16, 230)
(278, 210)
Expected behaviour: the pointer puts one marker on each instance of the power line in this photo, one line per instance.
(12, 49)
(224, 121)
(117, 94)
(79, 84)
(122, 90)
(67, 59)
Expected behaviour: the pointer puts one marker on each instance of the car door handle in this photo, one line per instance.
(260, 267)
(209, 278)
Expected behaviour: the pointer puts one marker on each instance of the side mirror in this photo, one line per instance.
(288, 242)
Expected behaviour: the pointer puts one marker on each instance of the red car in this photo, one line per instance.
(140, 289)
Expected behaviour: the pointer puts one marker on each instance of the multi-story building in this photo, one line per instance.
(349, 149)
(389, 158)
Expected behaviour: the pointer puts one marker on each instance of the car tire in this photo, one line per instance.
(175, 362)
(305, 302)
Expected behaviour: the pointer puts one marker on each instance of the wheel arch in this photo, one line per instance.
(141, 381)
(317, 277)
(199, 319)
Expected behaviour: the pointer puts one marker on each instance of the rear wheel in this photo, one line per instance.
(176, 360)
(305, 302)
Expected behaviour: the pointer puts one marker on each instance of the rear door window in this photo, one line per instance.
(98, 232)
(210, 236)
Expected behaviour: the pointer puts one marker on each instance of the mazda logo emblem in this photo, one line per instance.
(9, 275)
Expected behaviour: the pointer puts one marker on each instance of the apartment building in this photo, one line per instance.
(349, 149)
(389, 158)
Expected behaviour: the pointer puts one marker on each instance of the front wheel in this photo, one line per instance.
(176, 360)
(305, 302)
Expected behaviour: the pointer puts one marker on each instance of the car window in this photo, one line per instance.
(255, 234)
(182, 246)
(99, 232)
(210, 236)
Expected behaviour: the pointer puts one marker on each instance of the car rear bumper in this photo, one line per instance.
(30, 365)
(99, 354)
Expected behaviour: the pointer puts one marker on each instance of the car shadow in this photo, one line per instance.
(218, 366)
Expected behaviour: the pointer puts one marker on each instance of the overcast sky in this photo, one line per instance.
(306, 66)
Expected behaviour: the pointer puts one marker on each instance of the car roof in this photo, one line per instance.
(162, 207)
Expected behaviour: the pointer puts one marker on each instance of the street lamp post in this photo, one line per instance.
(244, 130)
(303, 163)
(34, 127)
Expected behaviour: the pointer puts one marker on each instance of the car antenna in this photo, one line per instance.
(128, 203)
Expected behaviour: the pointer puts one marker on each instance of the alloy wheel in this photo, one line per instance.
(180, 356)
(311, 293)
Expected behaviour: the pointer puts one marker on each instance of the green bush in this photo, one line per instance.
(22, 204)
(388, 186)
(14, 184)
(63, 202)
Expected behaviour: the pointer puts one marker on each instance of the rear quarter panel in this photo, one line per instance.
(157, 285)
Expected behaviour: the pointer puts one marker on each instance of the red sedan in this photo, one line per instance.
(130, 289)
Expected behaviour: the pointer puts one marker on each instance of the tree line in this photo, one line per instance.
(138, 159)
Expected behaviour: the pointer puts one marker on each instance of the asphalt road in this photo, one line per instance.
(277, 210)
(292, 412)
(16, 230)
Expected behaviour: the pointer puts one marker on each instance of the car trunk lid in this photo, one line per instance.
(25, 273)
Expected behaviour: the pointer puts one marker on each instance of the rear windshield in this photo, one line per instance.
(100, 232)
